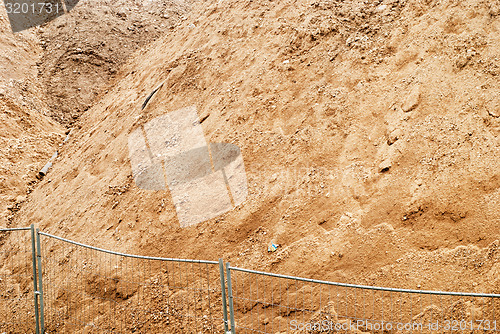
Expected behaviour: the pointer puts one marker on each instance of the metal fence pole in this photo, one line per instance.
(230, 294)
(224, 300)
(35, 291)
(40, 282)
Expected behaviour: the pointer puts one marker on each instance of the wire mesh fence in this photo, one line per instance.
(271, 303)
(17, 310)
(90, 290)
(50, 284)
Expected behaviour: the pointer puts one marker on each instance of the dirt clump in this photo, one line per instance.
(83, 50)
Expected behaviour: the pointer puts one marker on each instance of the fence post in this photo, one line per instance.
(35, 287)
(40, 282)
(230, 295)
(224, 300)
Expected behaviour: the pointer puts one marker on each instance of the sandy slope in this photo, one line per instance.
(84, 49)
(56, 71)
(369, 131)
(28, 137)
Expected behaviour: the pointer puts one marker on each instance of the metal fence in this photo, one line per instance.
(271, 303)
(18, 300)
(49, 284)
(92, 290)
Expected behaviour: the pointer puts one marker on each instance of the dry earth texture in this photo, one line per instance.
(50, 74)
(84, 50)
(28, 137)
(369, 130)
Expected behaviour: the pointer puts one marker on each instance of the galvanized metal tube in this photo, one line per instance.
(45, 169)
(15, 229)
(67, 136)
(425, 292)
(35, 287)
(126, 255)
(40, 281)
(150, 96)
(230, 293)
(48, 165)
(223, 290)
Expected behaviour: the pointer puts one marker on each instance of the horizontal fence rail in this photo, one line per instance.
(17, 308)
(87, 289)
(15, 229)
(273, 303)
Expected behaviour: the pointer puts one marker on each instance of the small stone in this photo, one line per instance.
(394, 136)
(274, 177)
(412, 101)
(381, 8)
(21, 199)
(493, 107)
(384, 166)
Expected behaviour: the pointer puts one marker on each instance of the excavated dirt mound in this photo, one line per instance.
(84, 49)
(57, 71)
(369, 132)
(28, 137)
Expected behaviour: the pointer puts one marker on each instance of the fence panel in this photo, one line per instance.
(271, 303)
(90, 290)
(17, 310)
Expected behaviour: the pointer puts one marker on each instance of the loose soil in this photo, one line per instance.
(369, 131)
